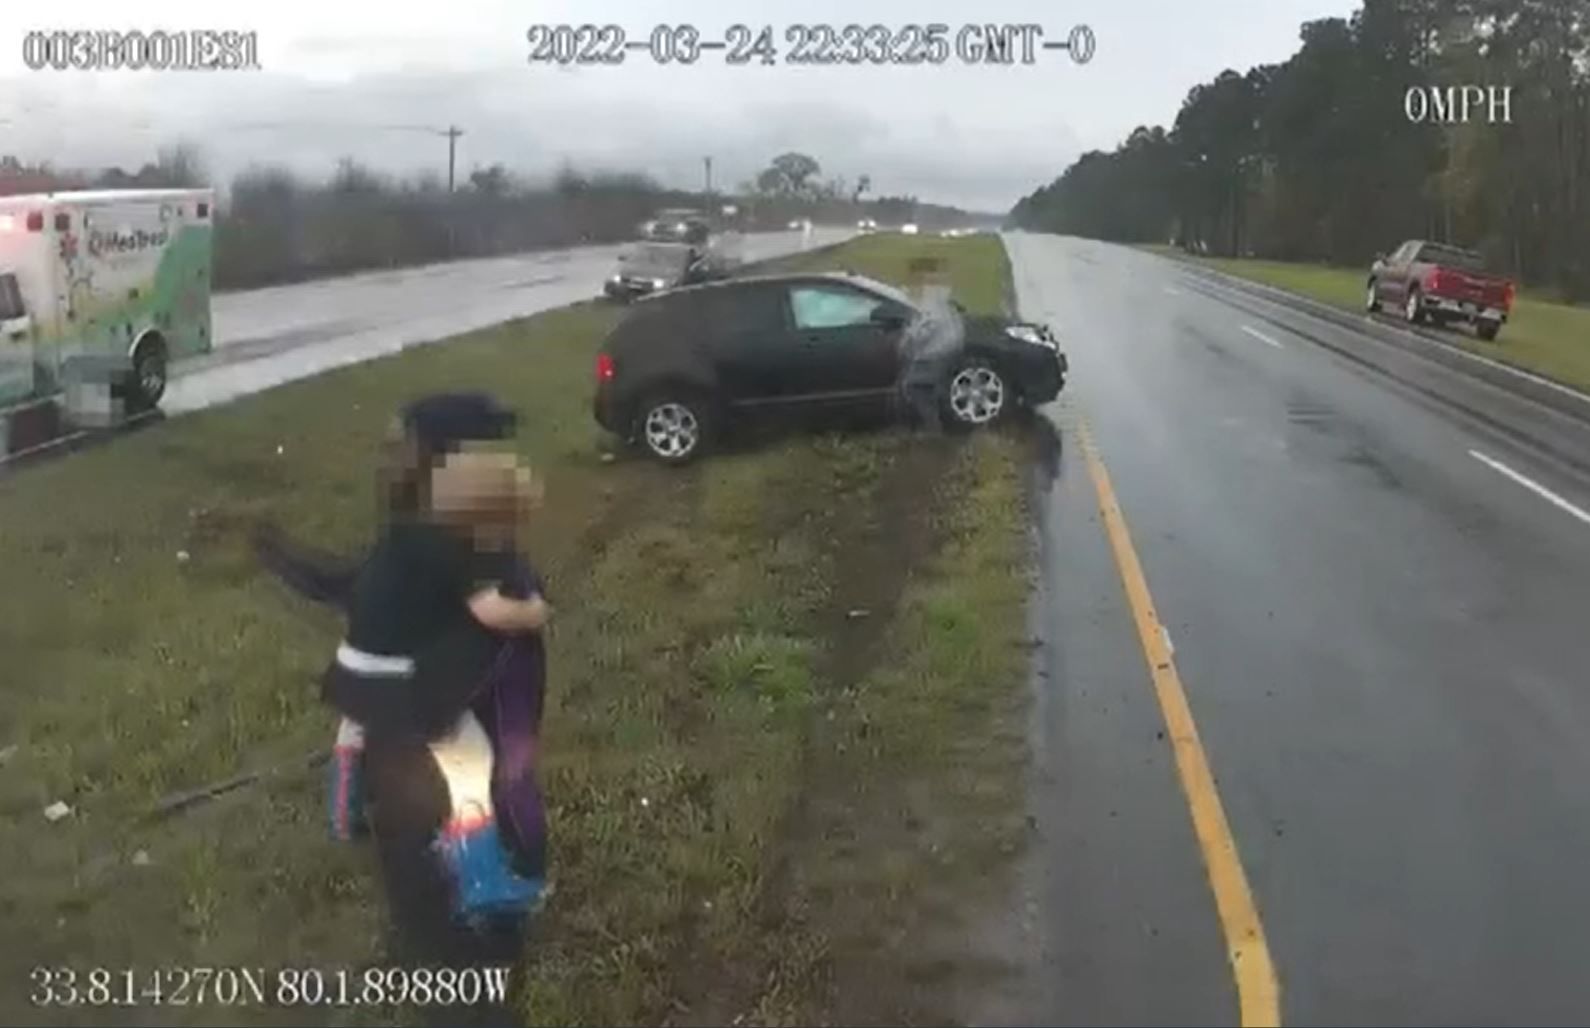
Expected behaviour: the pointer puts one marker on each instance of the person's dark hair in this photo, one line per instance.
(428, 429)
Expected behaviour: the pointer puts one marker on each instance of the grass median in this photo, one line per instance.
(1552, 339)
(783, 726)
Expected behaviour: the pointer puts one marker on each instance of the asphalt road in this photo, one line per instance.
(1377, 609)
(265, 337)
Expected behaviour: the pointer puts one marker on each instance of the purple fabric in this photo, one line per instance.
(510, 708)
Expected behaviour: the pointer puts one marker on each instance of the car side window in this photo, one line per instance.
(737, 313)
(1409, 253)
(815, 307)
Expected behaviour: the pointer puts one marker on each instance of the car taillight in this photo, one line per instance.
(604, 367)
(1438, 280)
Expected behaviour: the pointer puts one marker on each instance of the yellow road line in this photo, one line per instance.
(1258, 991)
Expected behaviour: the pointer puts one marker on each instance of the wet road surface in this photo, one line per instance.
(1377, 609)
(265, 337)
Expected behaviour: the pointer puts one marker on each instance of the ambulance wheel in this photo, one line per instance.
(148, 381)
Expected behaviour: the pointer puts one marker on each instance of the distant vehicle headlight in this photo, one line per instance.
(658, 283)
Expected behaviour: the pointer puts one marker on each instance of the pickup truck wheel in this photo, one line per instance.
(674, 425)
(1372, 301)
(1412, 310)
(1487, 330)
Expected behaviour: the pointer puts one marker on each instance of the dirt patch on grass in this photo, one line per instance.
(876, 552)
(905, 826)
(915, 813)
(885, 532)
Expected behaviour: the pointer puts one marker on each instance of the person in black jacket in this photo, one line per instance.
(454, 663)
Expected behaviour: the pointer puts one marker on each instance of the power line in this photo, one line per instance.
(451, 133)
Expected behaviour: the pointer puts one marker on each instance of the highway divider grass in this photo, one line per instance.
(1552, 339)
(783, 709)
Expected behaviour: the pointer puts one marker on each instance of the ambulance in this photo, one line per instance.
(100, 292)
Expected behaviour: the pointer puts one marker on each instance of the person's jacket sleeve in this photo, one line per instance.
(450, 669)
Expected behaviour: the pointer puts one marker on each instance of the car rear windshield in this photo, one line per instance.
(1452, 257)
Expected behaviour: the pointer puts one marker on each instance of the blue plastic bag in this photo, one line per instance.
(479, 868)
(484, 884)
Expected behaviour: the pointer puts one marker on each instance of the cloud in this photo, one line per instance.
(340, 83)
(390, 120)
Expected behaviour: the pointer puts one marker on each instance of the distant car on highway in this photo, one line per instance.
(800, 224)
(909, 228)
(866, 225)
(677, 225)
(686, 365)
(1440, 283)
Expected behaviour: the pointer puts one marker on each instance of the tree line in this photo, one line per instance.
(274, 225)
(793, 185)
(1318, 158)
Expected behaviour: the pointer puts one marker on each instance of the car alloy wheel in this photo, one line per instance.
(1372, 304)
(1411, 308)
(977, 394)
(672, 431)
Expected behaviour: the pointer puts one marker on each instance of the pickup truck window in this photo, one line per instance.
(10, 299)
(1451, 257)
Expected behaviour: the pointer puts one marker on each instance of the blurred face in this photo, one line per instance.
(488, 492)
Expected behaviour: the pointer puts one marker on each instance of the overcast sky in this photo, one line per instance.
(334, 73)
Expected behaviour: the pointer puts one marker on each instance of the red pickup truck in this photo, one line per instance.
(1440, 283)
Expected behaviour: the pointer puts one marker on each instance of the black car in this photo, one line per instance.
(685, 363)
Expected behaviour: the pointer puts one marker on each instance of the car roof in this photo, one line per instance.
(842, 277)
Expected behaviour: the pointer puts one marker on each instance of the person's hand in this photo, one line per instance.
(540, 610)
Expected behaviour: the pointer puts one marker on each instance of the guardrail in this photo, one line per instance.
(1548, 392)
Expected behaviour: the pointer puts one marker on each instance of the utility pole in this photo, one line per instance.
(452, 134)
(707, 161)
